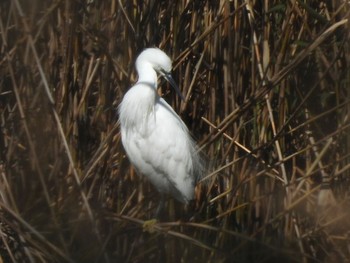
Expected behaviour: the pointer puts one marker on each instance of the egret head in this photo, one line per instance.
(160, 62)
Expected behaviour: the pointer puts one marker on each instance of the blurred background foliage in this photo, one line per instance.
(267, 98)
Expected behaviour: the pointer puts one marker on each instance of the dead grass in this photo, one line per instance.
(267, 98)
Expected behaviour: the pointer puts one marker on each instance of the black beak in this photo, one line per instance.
(172, 82)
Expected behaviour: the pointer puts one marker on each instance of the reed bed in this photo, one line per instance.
(267, 88)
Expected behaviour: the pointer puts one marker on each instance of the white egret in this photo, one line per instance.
(156, 140)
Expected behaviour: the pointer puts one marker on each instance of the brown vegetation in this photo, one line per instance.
(267, 88)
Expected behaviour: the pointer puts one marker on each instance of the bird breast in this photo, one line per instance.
(137, 106)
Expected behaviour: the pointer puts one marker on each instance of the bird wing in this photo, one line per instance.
(163, 152)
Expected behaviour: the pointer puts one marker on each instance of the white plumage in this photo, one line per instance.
(155, 139)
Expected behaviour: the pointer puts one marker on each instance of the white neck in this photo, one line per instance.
(147, 74)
